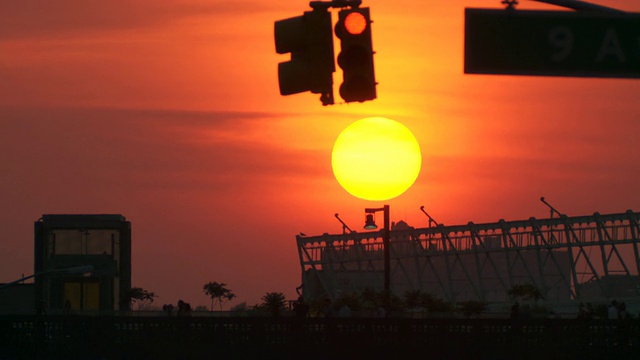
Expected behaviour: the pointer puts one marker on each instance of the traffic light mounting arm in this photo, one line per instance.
(582, 6)
(335, 4)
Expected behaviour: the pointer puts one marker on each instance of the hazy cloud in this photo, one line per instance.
(143, 148)
(42, 18)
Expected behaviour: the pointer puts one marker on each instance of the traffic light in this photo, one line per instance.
(356, 55)
(309, 39)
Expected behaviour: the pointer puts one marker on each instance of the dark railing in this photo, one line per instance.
(86, 337)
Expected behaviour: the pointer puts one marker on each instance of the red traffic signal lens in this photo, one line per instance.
(355, 23)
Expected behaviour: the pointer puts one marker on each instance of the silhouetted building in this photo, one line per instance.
(66, 243)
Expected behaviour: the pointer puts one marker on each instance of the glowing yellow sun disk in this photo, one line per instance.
(376, 159)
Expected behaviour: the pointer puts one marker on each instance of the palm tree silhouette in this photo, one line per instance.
(218, 291)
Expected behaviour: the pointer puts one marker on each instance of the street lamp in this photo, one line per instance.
(72, 270)
(370, 224)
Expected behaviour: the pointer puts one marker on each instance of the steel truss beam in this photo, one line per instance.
(579, 257)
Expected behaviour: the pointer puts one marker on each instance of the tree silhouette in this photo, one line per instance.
(525, 292)
(140, 296)
(218, 291)
(412, 298)
(370, 298)
(472, 308)
(351, 300)
(273, 302)
(375, 299)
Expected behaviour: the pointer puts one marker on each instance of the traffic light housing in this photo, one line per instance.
(309, 39)
(356, 55)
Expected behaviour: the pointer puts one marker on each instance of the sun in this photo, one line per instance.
(376, 159)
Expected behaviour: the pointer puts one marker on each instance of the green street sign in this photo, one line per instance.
(552, 43)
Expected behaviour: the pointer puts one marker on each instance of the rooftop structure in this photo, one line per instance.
(82, 263)
(567, 258)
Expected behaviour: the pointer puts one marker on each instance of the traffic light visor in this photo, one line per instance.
(289, 35)
(355, 23)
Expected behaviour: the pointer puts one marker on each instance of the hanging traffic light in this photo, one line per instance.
(356, 55)
(309, 39)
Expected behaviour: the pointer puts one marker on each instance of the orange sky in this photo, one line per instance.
(168, 112)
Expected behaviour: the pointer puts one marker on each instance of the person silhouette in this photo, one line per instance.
(184, 309)
(168, 309)
(327, 308)
(612, 311)
(300, 307)
(515, 310)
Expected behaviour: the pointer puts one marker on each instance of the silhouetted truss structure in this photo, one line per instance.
(567, 258)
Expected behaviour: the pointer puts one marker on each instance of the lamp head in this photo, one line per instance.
(370, 222)
(86, 269)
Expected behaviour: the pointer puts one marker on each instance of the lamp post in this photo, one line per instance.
(370, 224)
(72, 270)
